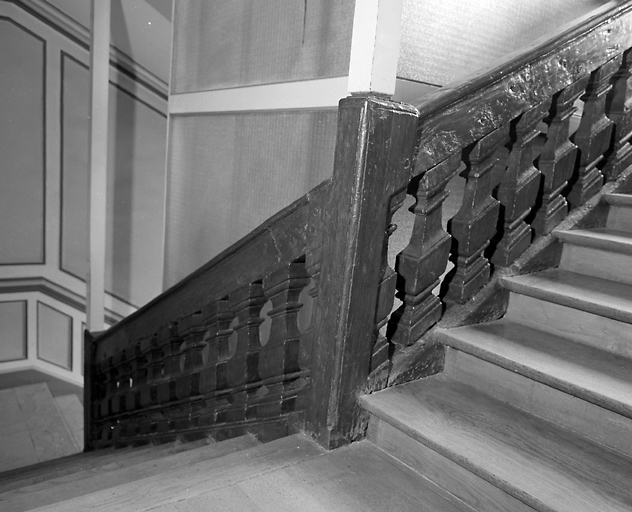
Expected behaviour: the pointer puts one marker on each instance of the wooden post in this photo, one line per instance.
(374, 151)
(99, 89)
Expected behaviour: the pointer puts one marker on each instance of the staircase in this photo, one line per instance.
(37, 427)
(533, 411)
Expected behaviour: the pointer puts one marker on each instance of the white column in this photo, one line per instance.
(99, 89)
(375, 46)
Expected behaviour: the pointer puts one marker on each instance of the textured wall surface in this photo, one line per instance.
(446, 40)
(247, 42)
(230, 172)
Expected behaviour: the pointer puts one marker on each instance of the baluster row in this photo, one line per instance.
(510, 198)
(212, 367)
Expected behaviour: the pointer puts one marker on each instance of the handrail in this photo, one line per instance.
(229, 348)
(460, 113)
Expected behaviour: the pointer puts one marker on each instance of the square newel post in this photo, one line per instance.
(373, 159)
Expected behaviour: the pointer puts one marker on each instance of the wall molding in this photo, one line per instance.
(81, 35)
(52, 290)
(304, 95)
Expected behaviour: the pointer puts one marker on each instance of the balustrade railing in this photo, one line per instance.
(288, 326)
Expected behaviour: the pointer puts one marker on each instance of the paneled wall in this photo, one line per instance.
(249, 129)
(22, 134)
(44, 112)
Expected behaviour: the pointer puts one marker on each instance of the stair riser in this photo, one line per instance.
(620, 218)
(613, 266)
(597, 331)
(465, 485)
(559, 407)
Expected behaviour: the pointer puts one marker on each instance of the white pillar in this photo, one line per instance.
(99, 89)
(375, 46)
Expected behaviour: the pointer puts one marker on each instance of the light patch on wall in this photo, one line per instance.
(21, 145)
(54, 336)
(12, 330)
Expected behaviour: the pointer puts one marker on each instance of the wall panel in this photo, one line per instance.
(246, 42)
(54, 336)
(230, 172)
(12, 330)
(22, 139)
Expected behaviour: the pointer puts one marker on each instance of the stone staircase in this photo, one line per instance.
(533, 411)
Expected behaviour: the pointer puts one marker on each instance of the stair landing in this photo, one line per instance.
(292, 473)
(33, 428)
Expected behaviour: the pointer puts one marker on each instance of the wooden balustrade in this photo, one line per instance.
(193, 361)
(288, 326)
(517, 188)
(619, 109)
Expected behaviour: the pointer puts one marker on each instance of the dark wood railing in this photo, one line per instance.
(284, 329)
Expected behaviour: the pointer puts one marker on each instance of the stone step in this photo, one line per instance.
(534, 462)
(620, 211)
(584, 389)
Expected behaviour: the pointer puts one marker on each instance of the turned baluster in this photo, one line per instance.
(213, 374)
(138, 376)
(423, 261)
(192, 330)
(216, 351)
(557, 159)
(152, 354)
(475, 223)
(170, 342)
(243, 365)
(593, 136)
(109, 386)
(519, 187)
(119, 403)
(385, 299)
(279, 356)
(619, 110)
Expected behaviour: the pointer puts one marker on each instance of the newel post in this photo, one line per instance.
(373, 161)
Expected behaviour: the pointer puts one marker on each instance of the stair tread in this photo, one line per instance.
(618, 199)
(587, 293)
(598, 238)
(71, 486)
(195, 479)
(356, 478)
(547, 467)
(583, 371)
(86, 461)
